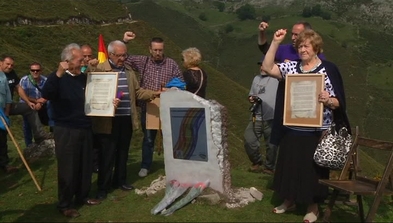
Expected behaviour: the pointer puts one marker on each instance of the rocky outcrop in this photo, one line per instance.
(76, 20)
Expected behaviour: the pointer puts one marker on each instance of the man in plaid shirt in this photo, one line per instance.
(156, 71)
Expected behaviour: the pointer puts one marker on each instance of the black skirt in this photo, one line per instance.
(296, 176)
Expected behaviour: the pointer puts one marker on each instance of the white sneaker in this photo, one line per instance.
(143, 172)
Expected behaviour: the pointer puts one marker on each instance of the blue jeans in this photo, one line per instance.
(149, 136)
(51, 122)
(27, 132)
(252, 145)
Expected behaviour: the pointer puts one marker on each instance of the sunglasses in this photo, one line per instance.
(35, 70)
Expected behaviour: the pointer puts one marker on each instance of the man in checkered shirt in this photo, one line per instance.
(156, 71)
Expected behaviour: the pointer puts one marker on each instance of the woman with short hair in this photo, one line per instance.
(296, 177)
(195, 77)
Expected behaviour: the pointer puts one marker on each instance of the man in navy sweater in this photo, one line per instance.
(72, 132)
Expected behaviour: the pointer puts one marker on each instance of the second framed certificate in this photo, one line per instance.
(101, 88)
(301, 106)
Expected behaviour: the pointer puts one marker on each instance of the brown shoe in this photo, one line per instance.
(10, 169)
(255, 168)
(70, 213)
(92, 201)
(267, 171)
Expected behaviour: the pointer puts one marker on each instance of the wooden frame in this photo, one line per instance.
(101, 88)
(301, 106)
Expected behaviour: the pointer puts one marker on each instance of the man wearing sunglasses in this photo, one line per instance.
(32, 85)
(26, 109)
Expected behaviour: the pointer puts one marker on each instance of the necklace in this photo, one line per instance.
(312, 69)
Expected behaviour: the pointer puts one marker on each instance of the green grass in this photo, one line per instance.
(21, 202)
(62, 9)
(230, 61)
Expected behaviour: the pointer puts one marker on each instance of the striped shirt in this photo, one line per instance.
(154, 74)
(124, 107)
(29, 88)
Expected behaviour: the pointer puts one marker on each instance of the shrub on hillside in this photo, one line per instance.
(247, 11)
(307, 12)
(202, 16)
(326, 15)
(219, 5)
(316, 10)
(228, 28)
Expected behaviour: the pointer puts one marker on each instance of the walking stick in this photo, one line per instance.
(20, 154)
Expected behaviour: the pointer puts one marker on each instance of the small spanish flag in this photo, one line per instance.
(102, 53)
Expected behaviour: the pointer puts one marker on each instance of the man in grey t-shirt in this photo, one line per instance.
(262, 96)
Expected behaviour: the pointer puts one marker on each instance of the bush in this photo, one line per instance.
(219, 5)
(326, 15)
(202, 16)
(316, 10)
(228, 28)
(307, 12)
(247, 11)
(266, 18)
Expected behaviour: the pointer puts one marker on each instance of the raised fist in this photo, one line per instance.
(263, 26)
(128, 36)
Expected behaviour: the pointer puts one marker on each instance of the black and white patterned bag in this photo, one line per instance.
(332, 151)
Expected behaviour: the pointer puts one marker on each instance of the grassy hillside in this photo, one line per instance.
(361, 54)
(95, 10)
(234, 55)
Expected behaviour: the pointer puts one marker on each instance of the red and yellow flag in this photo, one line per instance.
(102, 53)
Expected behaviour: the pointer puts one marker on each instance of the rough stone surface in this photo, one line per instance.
(241, 198)
(217, 168)
(45, 149)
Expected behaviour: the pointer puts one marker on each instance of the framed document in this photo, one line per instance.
(101, 88)
(153, 114)
(301, 106)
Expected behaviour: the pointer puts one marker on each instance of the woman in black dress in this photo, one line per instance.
(194, 76)
(296, 176)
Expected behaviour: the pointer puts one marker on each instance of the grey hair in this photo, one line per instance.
(114, 43)
(67, 53)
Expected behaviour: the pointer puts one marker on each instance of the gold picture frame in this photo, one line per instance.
(301, 106)
(101, 89)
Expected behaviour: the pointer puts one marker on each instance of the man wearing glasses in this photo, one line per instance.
(115, 133)
(32, 85)
(156, 71)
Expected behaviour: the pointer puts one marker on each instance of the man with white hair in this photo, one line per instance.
(72, 132)
(115, 133)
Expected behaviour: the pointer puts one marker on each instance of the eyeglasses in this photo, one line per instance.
(34, 70)
(120, 55)
(87, 55)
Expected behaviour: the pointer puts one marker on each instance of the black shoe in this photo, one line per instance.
(127, 187)
(70, 213)
(101, 195)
